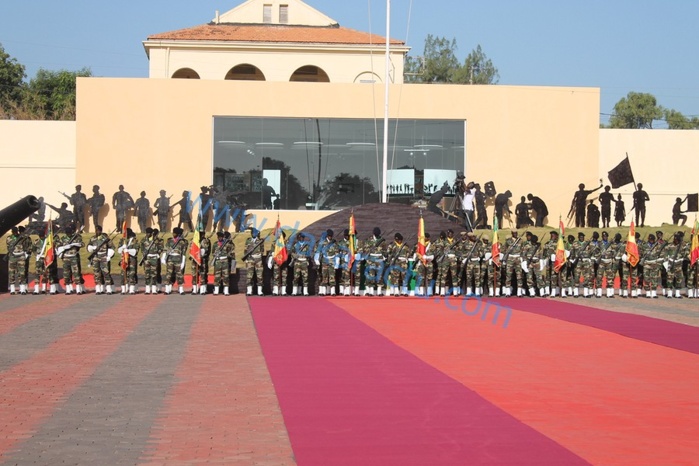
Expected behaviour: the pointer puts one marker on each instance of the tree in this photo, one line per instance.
(52, 93)
(676, 120)
(636, 111)
(12, 76)
(477, 69)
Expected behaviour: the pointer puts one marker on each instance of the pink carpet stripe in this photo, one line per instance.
(349, 396)
(223, 409)
(9, 320)
(658, 331)
(32, 390)
(606, 397)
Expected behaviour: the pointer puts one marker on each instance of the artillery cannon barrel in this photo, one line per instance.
(17, 212)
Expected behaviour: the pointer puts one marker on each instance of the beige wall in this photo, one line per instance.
(299, 13)
(665, 162)
(526, 139)
(37, 158)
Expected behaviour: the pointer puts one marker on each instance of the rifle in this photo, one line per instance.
(228, 240)
(468, 256)
(395, 256)
(145, 253)
(258, 243)
(71, 240)
(104, 241)
(507, 253)
(11, 248)
(444, 251)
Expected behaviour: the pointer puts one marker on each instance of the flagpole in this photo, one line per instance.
(384, 183)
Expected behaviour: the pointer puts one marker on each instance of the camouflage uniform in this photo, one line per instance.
(398, 254)
(424, 269)
(531, 254)
(551, 276)
(652, 263)
(374, 251)
(635, 275)
(128, 248)
(513, 251)
(350, 275)
(473, 252)
(152, 247)
(301, 257)
(223, 257)
(328, 255)
(70, 253)
(673, 256)
(44, 275)
(449, 265)
(200, 272)
(102, 249)
(575, 266)
(254, 263)
(607, 268)
(588, 256)
(18, 249)
(174, 257)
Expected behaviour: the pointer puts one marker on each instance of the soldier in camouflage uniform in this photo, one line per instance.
(606, 267)
(44, 275)
(152, 248)
(692, 278)
(300, 258)
(174, 260)
(586, 266)
(68, 248)
(398, 254)
(424, 268)
(635, 280)
(449, 264)
(551, 277)
(19, 246)
(673, 256)
(349, 274)
(472, 252)
(651, 257)
(128, 248)
(101, 251)
(328, 259)
(532, 265)
(254, 252)
(200, 272)
(374, 251)
(575, 263)
(280, 272)
(223, 257)
(513, 264)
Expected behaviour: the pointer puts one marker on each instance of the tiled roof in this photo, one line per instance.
(273, 33)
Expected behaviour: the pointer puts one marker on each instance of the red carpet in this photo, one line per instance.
(609, 398)
(351, 396)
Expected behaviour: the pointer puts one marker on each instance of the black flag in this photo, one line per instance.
(693, 202)
(621, 174)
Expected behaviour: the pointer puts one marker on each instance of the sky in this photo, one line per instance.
(619, 46)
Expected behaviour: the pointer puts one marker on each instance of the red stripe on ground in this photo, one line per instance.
(13, 318)
(658, 331)
(351, 397)
(33, 389)
(608, 398)
(223, 409)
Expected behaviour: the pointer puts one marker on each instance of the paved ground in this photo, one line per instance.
(157, 379)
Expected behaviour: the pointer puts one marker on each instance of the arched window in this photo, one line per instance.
(185, 73)
(367, 77)
(310, 74)
(245, 72)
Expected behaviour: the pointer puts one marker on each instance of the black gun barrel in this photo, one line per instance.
(17, 212)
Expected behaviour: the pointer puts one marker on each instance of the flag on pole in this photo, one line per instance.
(352, 240)
(496, 244)
(195, 248)
(694, 253)
(560, 248)
(280, 253)
(631, 246)
(621, 174)
(421, 242)
(125, 256)
(48, 250)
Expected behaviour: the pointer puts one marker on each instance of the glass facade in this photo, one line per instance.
(330, 163)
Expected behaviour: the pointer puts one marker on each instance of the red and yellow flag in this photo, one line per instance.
(694, 253)
(280, 253)
(421, 243)
(352, 240)
(125, 257)
(631, 246)
(560, 248)
(48, 250)
(495, 252)
(195, 247)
